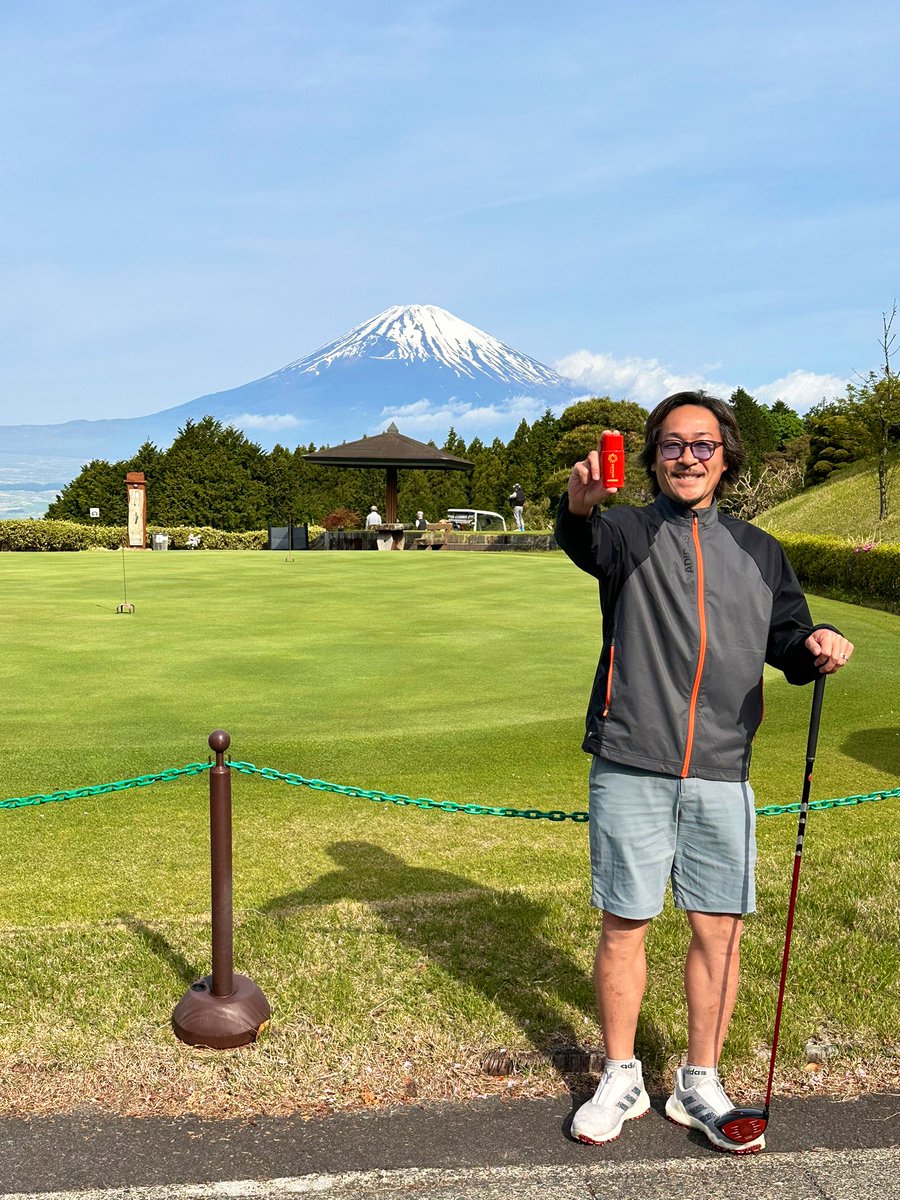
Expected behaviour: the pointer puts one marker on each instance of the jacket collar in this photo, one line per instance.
(681, 514)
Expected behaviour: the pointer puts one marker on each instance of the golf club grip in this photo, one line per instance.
(815, 717)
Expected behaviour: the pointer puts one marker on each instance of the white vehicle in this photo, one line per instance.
(479, 520)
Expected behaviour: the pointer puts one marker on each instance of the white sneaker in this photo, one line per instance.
(619, 1097)
(699, 1106)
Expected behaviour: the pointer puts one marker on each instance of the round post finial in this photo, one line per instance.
(219, 740)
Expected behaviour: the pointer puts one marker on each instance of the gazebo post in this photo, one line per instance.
(391, 514)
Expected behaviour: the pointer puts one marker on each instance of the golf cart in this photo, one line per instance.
(478, 520)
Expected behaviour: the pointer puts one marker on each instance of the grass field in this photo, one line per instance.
(395, 945)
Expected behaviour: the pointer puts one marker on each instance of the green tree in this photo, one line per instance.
(212, 475)
(757, 431)
(543, 438)
(99, 484)
(786, 424)
(876, 405)
(519, 462)
(836, 438)
(414, 493)
(581, 424)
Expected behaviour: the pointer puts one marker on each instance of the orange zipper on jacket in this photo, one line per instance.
(701, 617)
(609, 675)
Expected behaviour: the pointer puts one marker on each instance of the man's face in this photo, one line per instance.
(686, 479)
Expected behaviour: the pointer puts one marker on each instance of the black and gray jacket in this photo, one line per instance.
(694, 602)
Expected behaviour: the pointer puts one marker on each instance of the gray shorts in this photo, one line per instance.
(647, 828)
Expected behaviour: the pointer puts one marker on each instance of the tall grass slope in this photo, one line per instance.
(846, 506)
(836, 543)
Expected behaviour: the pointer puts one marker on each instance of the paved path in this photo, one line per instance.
(487, 1150)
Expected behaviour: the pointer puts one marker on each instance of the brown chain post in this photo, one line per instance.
(223, 1009)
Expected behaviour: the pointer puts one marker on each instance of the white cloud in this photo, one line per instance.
(487, 420)
(645, 380)
(648, 381)
(800, 390)
(273, 422)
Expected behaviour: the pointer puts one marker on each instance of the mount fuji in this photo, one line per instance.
(417, 365)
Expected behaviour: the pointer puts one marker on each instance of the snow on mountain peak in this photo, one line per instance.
(427, 333)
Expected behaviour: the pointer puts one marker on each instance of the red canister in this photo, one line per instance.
(612, 459)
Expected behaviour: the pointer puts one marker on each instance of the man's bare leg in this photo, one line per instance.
(710, 980)
(620, 977)
(711, 972)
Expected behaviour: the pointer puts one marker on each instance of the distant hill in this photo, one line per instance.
(407, 364)
(846, 505)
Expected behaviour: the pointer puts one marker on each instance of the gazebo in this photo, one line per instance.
(393, 451)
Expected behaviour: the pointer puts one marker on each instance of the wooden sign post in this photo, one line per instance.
(136, 487)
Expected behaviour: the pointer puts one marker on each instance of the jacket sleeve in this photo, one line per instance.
(576, 536)
(790, 626)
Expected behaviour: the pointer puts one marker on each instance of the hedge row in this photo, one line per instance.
(67, 535)
(865, 573)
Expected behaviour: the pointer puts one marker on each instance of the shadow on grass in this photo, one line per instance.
(490, 941)
(184, 971)
(879, 748)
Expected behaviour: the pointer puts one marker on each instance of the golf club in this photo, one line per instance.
(742, 1125)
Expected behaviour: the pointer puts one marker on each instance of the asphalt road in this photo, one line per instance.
(487, 1150)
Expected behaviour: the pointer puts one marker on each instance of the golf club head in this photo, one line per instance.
(742, 1125)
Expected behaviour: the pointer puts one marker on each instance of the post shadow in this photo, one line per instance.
(185, 971)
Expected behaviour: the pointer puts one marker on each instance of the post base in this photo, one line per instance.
(220, 1022)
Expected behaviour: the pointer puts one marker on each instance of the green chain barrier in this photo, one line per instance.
(100, 789)
(531, 814)
(321, 785)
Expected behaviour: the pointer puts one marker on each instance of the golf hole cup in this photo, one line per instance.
(612, 460)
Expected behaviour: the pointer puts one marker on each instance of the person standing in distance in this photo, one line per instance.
(694, 604)
(517, 500)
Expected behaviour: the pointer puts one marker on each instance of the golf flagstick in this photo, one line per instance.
(742, 1125)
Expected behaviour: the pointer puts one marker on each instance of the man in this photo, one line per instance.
(373, 518)
(421, 523)
(517, 500)
(694, 603)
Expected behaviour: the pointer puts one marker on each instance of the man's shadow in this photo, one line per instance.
(490, 941)
(879, 748)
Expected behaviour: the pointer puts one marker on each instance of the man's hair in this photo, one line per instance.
(732, 446)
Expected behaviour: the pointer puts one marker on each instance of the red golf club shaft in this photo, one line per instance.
(814, 719)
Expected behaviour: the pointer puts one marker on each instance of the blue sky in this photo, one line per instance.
(196, 193)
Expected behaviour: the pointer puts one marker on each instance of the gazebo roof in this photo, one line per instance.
(388, 449)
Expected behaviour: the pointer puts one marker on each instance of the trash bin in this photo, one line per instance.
(160, 541)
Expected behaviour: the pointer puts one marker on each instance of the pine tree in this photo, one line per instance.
(757, 430)
(581, 424)
(99, 484)
(786, 424)
(212, 475)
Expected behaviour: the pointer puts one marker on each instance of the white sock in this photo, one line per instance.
(692, 1075)
(630, 1065)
